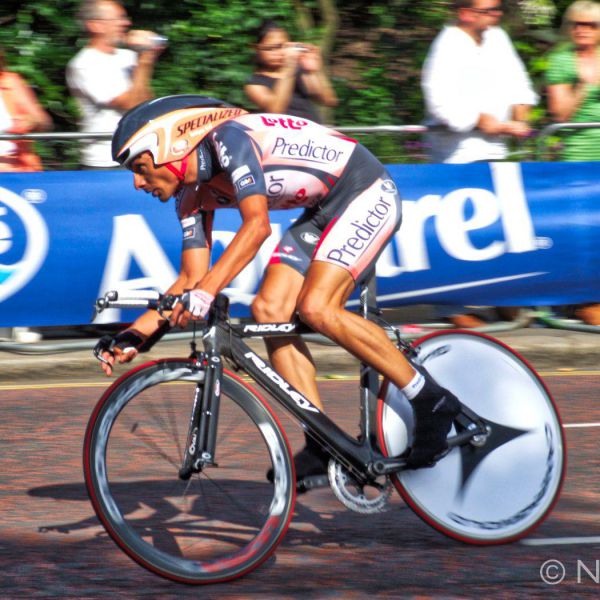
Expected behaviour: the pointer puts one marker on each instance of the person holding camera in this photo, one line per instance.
(108, 80)
(289, 77)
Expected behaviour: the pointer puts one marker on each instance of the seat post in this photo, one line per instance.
(369, 378)
(368, 297)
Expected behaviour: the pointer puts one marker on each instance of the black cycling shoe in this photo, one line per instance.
(311, 468)
(434, 409)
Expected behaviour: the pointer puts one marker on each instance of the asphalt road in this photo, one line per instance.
(51, 544)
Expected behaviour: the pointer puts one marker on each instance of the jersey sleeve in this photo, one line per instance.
(196, 230)
(196, 224)
(561, 69)
(240, 160)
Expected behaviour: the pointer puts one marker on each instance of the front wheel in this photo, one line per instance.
(221, 523)
(497, 491)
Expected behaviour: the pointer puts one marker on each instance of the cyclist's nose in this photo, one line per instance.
(138, 181)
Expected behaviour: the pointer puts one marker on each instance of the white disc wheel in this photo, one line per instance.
(499, 491)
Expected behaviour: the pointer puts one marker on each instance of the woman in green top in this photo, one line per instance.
(573, 79)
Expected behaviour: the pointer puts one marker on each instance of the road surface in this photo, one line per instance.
(51, 544)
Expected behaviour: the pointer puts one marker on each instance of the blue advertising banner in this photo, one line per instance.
(479, 234)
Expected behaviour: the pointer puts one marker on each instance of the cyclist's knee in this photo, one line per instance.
(270, 311)
(315, 312)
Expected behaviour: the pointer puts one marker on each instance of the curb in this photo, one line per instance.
(542, 348)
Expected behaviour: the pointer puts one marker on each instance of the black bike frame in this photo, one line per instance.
(224, 339)
(361, 456)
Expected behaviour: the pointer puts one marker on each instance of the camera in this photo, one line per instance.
(139, 41)
(159, 41)
(300, 48)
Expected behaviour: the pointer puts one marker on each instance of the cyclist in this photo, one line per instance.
(209, 155)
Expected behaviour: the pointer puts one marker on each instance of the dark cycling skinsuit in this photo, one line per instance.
(352, 207)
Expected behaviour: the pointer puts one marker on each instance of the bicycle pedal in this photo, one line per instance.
(311, 482)
(441, 455)
(432, 462)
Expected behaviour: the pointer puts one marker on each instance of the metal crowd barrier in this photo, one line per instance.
(389, 151)
(549, 130)
(107, 135)
(408, 150)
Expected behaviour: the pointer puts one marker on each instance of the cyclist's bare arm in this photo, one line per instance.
(194, 265)
(255, 229)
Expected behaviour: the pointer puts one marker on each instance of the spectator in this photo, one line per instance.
(20, 113)
(475, 86)
(476, 92)
(108, 80)
(573, 79)
(289, 77)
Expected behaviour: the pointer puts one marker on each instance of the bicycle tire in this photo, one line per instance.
(224, 521)
(497, 493)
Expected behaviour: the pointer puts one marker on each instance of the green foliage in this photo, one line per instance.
(375, 63)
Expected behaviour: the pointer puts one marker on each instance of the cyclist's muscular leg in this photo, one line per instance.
(321, 304)
(276, 302)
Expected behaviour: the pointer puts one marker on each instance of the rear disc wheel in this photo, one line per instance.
(497, 491)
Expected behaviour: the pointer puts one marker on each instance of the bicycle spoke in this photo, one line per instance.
(147, 440)
(219, 521)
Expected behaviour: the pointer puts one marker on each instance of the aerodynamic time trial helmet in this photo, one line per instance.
(169, 127)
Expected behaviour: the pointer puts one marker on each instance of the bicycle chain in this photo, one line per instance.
(351, 493)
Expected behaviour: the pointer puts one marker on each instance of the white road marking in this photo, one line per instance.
(561, 541)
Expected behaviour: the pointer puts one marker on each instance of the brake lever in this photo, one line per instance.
(167, 302)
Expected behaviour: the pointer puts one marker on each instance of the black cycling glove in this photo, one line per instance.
(130, 339)
(122, 340)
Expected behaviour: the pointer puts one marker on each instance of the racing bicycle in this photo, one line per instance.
(176, 450)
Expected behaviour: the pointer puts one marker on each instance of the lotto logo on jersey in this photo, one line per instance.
(285, 122)
(223, 153)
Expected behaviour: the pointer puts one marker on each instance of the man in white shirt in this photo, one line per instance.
(477, 93)
(108, 80)
(476, 89)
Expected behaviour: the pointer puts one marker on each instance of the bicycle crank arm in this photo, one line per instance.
(386, 466)
(476, 436)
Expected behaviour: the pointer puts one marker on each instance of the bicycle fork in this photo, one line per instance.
(202, 434)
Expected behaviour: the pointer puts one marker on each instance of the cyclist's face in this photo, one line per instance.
(158, 181)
